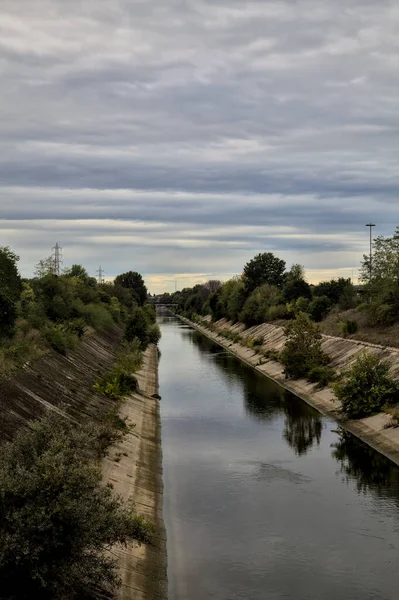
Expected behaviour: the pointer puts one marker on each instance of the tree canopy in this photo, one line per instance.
(10, 279)
(133, 281)
(264, 268)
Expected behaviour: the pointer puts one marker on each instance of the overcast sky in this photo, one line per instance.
(180, 138)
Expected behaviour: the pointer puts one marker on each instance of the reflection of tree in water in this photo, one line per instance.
(264, 399)
(303, 425)
(370, 470)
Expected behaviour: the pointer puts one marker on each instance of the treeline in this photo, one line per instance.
(51, 311)
(267, 291)
(58, 520)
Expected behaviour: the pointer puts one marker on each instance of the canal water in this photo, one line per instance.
(264, 498)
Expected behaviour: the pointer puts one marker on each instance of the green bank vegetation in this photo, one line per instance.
(267, 292)
(54, 312)
(57, 518)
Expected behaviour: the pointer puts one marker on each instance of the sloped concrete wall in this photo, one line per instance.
(61, 383)
(343, 353)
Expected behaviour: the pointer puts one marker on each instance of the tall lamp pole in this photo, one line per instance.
(370, 226)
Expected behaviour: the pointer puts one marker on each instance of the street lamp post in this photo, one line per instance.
(370, 226)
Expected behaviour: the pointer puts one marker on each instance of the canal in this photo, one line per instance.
(265, 498)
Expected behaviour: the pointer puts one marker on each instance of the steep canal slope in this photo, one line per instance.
(265, 498)
(65, 384)
(342, 352)
(62, 383)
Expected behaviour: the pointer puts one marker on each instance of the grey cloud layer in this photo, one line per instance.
(216, 113)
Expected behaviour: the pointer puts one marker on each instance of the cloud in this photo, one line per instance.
(184, 138)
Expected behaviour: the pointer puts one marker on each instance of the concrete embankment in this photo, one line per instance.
(134, 467)
(343, 353)
(65, 384)
(60, 383)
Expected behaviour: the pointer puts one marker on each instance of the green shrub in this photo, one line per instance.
(116, 384)
(76, 326)
(256, 342)
(59, 338)
(272, 355)
(58, 516)
(279, 311)
(322, 375)
(130, 356)
(137, 327)
(302, 305)
(319, 308)
(8, 314)
(348, 327)
(366, 387)
(302, 351)
(97, 316)
(18, 352)
(154, 333)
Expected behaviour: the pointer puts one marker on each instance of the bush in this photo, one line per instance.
(319, 308)
(130, 356)
(116, 384)
(76, 326)
(258, 303)
(154, 334)
(8, 315)
(366, 387)
(57, 516)
(302, 351)
(272, 355)
(97, 316)
(280, 311)
(60, 339)
(348, 327)
(137, 327)
(322, 375)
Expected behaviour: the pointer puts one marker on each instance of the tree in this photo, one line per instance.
(319, 307)
(137, 327)
(384, 285)
(79, 272)
(212, 285)
(264, 268)
(366, 387)
(259, 302)
(133, 281)
(57, 518)
(10, 279)
(8, 314)
(333, 289)
(296, 288)
(296, 273)
(44, 267)
(302, 351)
(385, 260)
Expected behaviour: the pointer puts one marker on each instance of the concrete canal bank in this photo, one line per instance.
(342, 352)
(134, 467)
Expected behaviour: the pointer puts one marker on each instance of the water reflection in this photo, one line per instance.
(359, 462)
(260, 489)
(264, 399)
(303, 425)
